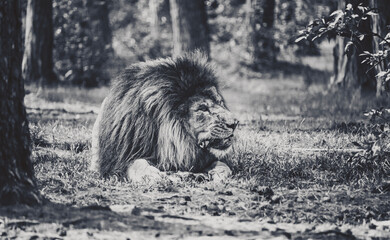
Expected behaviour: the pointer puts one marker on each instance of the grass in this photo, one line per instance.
(296, 139)
(69, 94)
(289, 134)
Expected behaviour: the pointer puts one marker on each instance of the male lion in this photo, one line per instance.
(167, 115)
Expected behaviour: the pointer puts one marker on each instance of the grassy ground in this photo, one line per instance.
(293, 164)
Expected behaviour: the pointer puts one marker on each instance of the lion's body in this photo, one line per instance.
(144, 117)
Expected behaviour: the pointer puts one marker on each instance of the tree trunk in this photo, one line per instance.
(16, 172)
(97, 38)
(38, 54)
(155, 23)
(98, 12)
(349, 73)
(189, 26)
(261, 44)
(378, 25)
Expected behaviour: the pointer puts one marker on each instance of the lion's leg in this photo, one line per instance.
(94, 166)
(141, 171)
(219, 171)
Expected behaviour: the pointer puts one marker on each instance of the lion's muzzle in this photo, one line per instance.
(221, 136)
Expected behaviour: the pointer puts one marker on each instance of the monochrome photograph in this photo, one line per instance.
(194, 119)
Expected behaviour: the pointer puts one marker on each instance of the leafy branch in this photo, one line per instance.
(347, 24)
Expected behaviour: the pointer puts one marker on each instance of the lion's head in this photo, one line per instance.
(211, 123)
(168, 111)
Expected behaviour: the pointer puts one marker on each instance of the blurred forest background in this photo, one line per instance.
(86, 42)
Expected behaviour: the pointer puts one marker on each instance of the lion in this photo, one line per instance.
(164, 115)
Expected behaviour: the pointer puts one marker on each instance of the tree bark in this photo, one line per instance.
(98, 12)
(16, 172)
(37, 63)
(189, 26)
(378, 26)
(349, 73)
(96, 46)
(155, 22)
(261, 44)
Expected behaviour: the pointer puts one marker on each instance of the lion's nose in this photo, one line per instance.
(233, 125)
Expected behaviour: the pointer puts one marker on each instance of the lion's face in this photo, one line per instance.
(211, 123)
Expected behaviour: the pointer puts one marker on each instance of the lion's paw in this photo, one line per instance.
(219, 171)
(140, 171)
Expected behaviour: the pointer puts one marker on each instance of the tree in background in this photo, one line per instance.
(348, 72)
(16, 171)
(82, 40)
(155, 8)
(362, 29)
(290, 17)
(379, 25)
(189, 26)
(155, 19)
(37, 63)
(136, 37)
(261, 33)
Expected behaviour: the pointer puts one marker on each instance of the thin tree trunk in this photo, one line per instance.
(378, 26)
(37, 63)
(97, 45)
(98, 12)
(155, 23)
(189, 26)
(261, 33)
(16, 172)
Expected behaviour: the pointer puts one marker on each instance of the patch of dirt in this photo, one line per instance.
(209, 211)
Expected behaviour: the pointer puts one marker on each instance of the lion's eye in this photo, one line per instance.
(203, 108)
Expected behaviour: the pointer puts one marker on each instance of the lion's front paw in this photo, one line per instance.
(140, 171)
(219, 171)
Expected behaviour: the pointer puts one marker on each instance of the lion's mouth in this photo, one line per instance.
(220, 144)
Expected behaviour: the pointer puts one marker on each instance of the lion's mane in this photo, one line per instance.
(144, 116)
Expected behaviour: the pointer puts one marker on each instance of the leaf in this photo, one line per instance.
(300, 39)
(337, 12)
(358, 145)
(371, 13)
(302, 31)
(348, 46)
(381, 74)
(361, 37)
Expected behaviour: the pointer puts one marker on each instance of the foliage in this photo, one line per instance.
(380, 59)
(342, 23)
(131, 25)
(347, 24)
(375, 156)
(80, 53)
(229, 27)
(294, 15)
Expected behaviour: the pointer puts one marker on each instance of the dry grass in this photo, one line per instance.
(289, 134)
